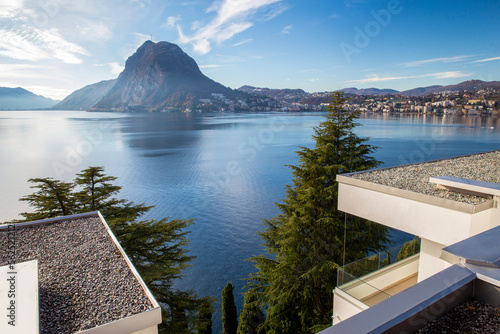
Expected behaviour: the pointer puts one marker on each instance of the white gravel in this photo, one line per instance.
(482, 167)
(83, 279)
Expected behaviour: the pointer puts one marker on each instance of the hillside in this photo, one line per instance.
(20, 98)
(86, 97)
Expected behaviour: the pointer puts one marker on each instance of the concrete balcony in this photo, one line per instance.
(356, 294)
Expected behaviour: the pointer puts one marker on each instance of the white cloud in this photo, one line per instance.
(243, 42)
(28, 43)
(19, 71)
(171, 21)
(314, 79)
(439, 75)
(10, 8)
(93, 30)
(116, 68)
(487, 59)
(286, 29)
(232, 18)
(451, 74)
(209, 66)
(435, 60)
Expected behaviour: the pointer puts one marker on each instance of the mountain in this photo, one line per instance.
(369, 91)
(287, 95)
(20, 98)
(159, 76)
(86, 97)
(469, 85)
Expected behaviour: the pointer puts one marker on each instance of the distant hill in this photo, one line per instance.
(20, 98)
(86, 97)
(466, 85)
(288, 95)
(369, 91)
(159, 76)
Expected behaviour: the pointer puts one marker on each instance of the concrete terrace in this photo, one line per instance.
(86, 281)
(453, 206)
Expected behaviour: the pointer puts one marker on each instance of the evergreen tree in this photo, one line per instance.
(251, 317)
(229, 313)
(306, 240)
(96, 194)
(157, 248)
(52, 199)
(204, 320)
(409, 248)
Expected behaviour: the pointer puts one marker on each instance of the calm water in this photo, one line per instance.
(224, 170)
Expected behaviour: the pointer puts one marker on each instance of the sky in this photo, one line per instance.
(53, 47)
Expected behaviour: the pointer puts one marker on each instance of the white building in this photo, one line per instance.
(452, 205)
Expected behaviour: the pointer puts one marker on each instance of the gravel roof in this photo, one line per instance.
(468, 318)
(83, 279)
(482, 167)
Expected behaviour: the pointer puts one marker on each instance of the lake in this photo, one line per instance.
(224, 169)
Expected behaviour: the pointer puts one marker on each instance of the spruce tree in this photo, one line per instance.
(229, 313)
(305, 242)
(251, 317)
(204, 319)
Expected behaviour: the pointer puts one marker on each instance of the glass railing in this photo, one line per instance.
(353, 280)
(358, 288)
(377, 261)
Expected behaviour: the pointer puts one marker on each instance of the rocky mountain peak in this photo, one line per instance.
(156, 76)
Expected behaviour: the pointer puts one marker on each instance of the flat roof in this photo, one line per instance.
(84, 279)
(415, 177)
(482, 248)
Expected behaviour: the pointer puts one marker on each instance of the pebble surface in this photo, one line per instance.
(84, 281)
(469, 318)
(482, 167)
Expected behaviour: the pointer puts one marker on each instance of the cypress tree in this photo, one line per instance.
(409, 248)
(204, 319)
(251, 317)
(229, 313)
(305, 242)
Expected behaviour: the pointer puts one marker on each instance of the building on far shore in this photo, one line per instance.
(70, 275)
(453, 206)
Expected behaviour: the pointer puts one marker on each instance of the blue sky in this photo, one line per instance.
(53, 47)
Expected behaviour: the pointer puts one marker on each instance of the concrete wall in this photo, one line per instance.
(345, 306)
(432, 222)
(430, 261)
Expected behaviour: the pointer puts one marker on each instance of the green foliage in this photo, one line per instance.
(387, 260)
(97, 193)
(409, 248)
(157, 248)
(204, 320)
(251, 317)
(54, 198)
(305, 241)
(229, 313)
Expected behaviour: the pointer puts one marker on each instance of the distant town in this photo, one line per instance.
(485, 101)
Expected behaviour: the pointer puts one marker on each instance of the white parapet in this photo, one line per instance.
(19, 298)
